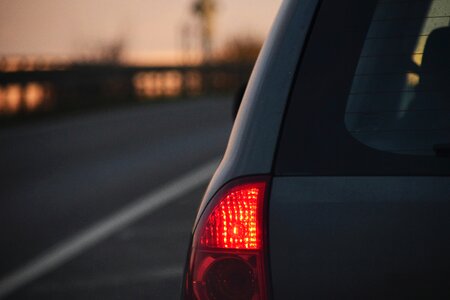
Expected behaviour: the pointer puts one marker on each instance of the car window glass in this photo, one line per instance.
(371, 92)
(400, 96)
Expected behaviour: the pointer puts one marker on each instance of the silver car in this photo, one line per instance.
(335, 183)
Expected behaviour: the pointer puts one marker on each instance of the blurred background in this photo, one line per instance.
(113, 116)
(57, 55)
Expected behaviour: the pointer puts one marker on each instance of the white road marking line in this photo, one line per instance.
(75, 245)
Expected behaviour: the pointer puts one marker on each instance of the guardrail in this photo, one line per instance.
(79, 86)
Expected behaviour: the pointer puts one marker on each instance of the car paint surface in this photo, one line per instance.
(253, 140)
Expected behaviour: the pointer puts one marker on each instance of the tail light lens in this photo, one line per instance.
(227, 258)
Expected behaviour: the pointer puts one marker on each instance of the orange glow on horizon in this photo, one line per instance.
(34, 96)
(11, 99)
(153, 32)
(161, 58)
(15, 97)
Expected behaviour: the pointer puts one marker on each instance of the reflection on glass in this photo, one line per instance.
(400, 100)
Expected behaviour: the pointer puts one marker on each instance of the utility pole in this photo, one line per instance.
(205, 10)
(185, 38)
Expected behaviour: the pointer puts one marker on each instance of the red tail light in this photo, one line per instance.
(228, 249)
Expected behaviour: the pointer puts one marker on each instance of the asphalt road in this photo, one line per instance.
(59, 177)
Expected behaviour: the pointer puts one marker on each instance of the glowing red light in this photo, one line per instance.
(235, 221)
(228, 256)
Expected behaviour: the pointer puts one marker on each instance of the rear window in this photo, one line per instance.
(372, 92)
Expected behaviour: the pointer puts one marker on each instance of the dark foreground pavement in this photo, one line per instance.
(60, 177)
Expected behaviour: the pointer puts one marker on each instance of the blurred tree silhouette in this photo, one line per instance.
(112, 53)
(103, 53)
(240, 50)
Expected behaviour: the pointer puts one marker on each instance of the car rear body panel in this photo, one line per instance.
(360, 237)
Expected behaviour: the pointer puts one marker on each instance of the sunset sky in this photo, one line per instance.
(151, 29)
